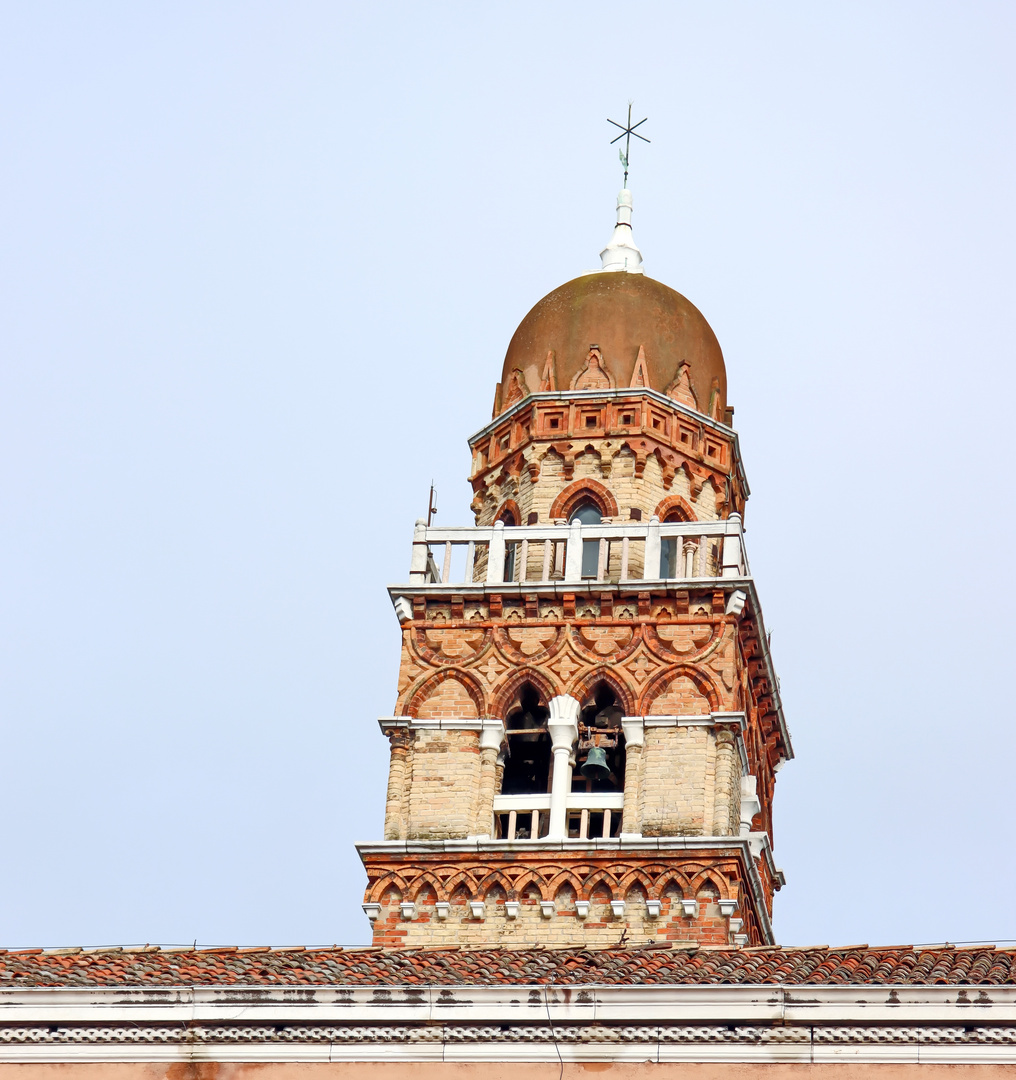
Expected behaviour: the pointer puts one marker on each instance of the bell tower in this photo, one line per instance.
(588, 726)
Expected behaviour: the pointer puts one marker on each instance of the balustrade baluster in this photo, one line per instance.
(689, 558)
(624, 558)
(584, 825)
(446, 569)
(470, 559)
(601, 562)
(548, 548)
(512, 816)
(703, 557)
(534, 829)
(606, 824)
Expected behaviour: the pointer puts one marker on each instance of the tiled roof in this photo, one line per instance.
(151, 966)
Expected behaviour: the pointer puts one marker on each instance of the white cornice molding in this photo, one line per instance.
(511, 1022)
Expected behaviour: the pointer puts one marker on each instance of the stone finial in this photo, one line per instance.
(621, 252)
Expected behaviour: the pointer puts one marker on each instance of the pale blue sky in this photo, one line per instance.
(260, 265)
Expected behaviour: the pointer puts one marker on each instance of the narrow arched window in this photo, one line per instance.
(589, 514)
(601, 743)
(508, 518)
(670, 548)
(527, 762)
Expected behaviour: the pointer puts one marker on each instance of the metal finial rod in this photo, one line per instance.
(626, 133)
(431, 508)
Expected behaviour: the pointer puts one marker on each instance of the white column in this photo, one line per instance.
(732, 563)
(495, 554)
(418, 565)
(750, 804)
(573, 557)
(634, 737)
(563, 725)
(651, 571)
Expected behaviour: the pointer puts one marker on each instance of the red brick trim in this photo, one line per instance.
(509, 506)
(672, 503)
(507, 692)
(467, 681)
(584, 688)
(659, 684)
(584, 491)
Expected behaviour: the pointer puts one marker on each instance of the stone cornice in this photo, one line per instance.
(512, 1022)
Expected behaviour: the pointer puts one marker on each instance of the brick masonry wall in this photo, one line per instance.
(606, 463)
(678, 781)
(657, 452)
(528, 881)
(444, 784)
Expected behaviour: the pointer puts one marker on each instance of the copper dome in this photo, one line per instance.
(619, 312)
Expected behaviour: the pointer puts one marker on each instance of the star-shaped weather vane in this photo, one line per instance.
(626, 134)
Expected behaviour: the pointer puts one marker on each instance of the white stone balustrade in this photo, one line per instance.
(543, 554)
(587, 815)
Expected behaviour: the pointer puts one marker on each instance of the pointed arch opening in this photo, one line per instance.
(601, 759)
(527, 758)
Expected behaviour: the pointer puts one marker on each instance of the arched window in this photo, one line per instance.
(601, 743)
(508, 517)
(589, 514)
(527, 762)
(527, 766)
(670, 548)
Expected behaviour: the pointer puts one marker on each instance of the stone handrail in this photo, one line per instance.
(576, 553)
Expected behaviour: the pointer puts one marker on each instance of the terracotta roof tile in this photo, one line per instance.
(449, 967)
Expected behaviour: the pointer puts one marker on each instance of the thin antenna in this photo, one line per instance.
(431, 508)
(626, 133)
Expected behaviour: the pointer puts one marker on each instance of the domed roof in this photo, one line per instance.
(620, 313)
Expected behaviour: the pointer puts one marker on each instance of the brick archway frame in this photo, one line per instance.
(672, 503)
(584, 491)
(509, 506)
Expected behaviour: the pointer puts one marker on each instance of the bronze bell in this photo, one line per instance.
(595, 766)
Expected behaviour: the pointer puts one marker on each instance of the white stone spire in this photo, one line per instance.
(621, 253)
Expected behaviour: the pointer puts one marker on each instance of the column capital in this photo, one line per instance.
(563, 723)
(634, 728)
(492, 735)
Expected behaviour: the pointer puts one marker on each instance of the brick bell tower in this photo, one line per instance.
(588, 726)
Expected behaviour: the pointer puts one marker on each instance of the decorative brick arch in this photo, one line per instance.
(507, 691)
(633, 878)
(673, 877)
(580, 491)
(559, 880)
(603, 877)
(674, 503)
(509, 506)
(712, 877)
(495, 878)
(659, 686)
(427, 880)
(429, 686)
(582, 689)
